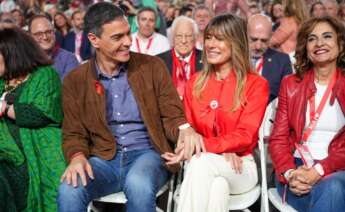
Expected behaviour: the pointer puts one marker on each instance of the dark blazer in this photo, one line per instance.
(85, 128)
(69, 45)
(276, 66)
(167, 58)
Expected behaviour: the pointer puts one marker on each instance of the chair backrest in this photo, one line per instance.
(264, 132)
(267, 123)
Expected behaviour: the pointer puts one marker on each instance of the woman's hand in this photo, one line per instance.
(312, 176)
(192, 143)
(236, 162)
(298, 183)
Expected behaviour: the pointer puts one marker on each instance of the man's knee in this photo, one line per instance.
(139, 185)
(70, 197)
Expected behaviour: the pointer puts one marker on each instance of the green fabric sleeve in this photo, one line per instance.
(9, 151)
(44, 93)
(29, 116)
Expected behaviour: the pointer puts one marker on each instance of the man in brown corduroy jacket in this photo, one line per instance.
(121, 112)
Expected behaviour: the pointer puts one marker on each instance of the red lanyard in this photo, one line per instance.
(260, 65)
(315, 115)
(148, 44)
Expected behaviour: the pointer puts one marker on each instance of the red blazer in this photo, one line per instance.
(237, 130)
(290, 121)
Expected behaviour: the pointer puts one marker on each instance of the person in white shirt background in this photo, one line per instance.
(201, 15)
(146, 40)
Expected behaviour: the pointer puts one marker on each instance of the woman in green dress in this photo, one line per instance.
(31, 160)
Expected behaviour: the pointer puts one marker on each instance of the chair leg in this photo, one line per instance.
(170, 194)
(91, 208)
(159, 210)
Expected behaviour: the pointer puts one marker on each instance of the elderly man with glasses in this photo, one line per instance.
(43, 32)
(183, 60)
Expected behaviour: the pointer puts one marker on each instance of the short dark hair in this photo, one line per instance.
(22, 55)
(185, 9)
(147, 9)
(100, 14)
(38, 17)
(75, 13)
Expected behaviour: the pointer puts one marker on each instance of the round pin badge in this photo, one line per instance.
(213, 104)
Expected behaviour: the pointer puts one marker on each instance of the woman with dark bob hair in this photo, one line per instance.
(307, 144)
(31, 160)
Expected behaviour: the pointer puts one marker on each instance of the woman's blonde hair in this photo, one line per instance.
(296, 9)
(234, 30)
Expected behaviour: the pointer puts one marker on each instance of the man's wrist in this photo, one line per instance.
(184, 126)
(76, 155)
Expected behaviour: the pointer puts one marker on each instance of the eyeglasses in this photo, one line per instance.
(179, 37)
(47, 33)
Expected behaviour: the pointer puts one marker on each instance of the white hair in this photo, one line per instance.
(331, 1)
(179, 20)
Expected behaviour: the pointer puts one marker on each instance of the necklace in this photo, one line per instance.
(9, 88)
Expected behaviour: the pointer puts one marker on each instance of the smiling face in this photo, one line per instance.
(218, 50)
(322, 45)
(43, 32)
(184, 38)
(114, 42)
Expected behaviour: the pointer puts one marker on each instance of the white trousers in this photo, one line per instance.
(209, 180)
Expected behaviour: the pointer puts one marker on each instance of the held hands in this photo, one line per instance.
(302, 180)
(189, 142)
(78, 165)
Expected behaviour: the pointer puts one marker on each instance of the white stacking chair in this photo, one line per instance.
(120, 197)
(265, 132)
(244, 201)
